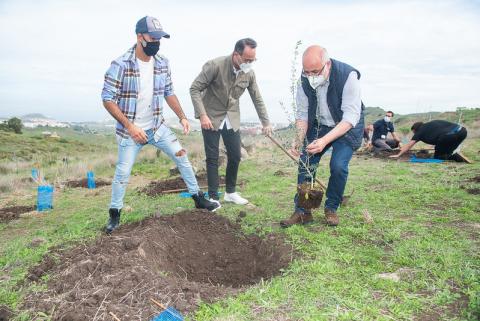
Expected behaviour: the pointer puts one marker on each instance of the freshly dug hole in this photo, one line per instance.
(184, 258)
(83, 183)
(11, 213)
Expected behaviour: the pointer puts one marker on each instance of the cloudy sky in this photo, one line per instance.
(415, 56)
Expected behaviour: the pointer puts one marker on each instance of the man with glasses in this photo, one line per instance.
(381, 128)
(135, 85)
(215, 95)
(329, 114)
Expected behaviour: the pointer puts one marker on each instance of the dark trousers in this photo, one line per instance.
(341, 154)
(447, 143)
(211, 140)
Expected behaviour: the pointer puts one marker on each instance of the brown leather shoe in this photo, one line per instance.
(331, 217)
(297, 218)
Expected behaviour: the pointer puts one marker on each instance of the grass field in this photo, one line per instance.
(418, 259)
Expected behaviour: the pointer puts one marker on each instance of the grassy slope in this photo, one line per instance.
(31, 145)
(423, 223)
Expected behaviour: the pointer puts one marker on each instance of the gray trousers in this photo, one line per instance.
(385, 144)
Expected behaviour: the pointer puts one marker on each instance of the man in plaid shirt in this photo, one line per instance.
(133, 92)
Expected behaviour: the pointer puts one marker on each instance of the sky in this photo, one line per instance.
(414, 56)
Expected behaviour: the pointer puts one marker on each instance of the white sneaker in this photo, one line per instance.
(235, 198)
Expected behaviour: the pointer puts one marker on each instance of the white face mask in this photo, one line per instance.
(315, 81)
(387, 119)
(246, 67)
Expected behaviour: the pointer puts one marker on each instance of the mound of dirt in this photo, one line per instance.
(475, 179)
(84, 183)
(473, 191)
(180, 260)
(11, 213)
(5, 313)
(160, 187)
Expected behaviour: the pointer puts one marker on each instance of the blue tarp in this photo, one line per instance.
(414, 159)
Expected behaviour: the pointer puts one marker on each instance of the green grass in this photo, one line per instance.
(31, 145)
(424, 225)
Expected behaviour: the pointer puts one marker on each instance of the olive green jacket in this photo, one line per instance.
(216, 92)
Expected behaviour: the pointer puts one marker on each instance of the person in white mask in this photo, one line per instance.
(381, 129)
(215, 96)
(329, 114)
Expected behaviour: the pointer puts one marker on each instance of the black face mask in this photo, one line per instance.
(151, 48)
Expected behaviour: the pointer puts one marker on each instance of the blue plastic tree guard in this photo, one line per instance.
(35, 174)
(44, 198)
(90, 180)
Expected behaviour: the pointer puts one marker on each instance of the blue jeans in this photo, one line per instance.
(341, 155)
(163, 139)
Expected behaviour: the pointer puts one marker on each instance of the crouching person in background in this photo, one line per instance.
(446, 137)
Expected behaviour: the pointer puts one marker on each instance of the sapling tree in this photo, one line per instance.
(306, 191)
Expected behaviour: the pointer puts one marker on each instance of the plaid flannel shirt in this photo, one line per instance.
(121, 87)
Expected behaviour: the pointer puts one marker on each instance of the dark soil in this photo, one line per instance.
(453, 309)
(160, 187)
(241, 216)
(180, 260)
(84, 183)
(309, 198)
(474, 191)
(8, 214)
(5, 313)
(475, 179)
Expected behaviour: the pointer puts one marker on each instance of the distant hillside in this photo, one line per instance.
(33, 116)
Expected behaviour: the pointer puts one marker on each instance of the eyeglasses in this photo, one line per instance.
(248, 61)
(313, 72)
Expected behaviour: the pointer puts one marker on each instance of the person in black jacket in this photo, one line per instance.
(446, 137)
(381, 128)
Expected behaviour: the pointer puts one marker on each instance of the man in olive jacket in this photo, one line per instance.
(215, 95)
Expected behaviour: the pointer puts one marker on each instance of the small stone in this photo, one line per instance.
(389, 276)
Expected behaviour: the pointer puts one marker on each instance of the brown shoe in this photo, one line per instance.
(331, 217)
(297, 218)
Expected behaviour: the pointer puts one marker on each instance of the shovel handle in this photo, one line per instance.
(283, 149)
(158, 303)
(294, 159)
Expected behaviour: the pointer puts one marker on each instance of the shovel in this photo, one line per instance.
(297, 161)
